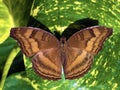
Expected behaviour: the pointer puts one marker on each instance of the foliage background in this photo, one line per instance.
(57, 15)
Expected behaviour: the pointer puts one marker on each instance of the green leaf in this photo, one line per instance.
(5, 22)
(57, 15)
(5, 50)
(19, 10)
(8, 63)
(18, 81)
(15, 14)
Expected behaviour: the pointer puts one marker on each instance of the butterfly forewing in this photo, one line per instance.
(32, 40)
(90, 39)
(44, 47)
(81, 48)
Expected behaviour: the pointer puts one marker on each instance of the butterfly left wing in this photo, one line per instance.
(32, 40)
(44, 47)
(81, 48)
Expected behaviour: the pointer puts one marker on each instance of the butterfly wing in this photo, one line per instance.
(32, 40)
(42, 46)
(48, 64)
(81, 48)
(77, 63)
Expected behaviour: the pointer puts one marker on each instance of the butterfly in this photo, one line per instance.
(50, 55)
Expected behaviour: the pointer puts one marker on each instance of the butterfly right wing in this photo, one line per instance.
(90, 39)
(81, 48)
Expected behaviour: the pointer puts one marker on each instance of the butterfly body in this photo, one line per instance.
(49, 54)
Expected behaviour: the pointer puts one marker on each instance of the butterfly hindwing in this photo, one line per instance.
(77, 63)
(47, 63)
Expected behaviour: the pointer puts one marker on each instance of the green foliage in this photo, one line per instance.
(57, 15)
(5, 22)
(18, 82)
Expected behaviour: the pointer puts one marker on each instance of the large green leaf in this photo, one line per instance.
(5, 22)
(15, 14)
(57, 15)
(18, 82)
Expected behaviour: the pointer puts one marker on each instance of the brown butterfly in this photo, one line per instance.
(49, 54)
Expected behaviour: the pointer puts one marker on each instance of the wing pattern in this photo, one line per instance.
(49, 55)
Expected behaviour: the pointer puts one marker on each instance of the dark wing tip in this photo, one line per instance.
(110, 31)
(12, 32)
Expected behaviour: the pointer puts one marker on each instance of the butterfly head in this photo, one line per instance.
(63, 40)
